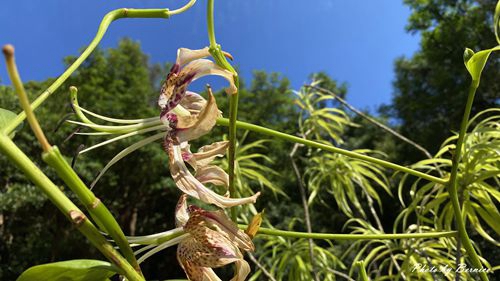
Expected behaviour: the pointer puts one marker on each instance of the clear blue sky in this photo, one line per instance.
(354, 41)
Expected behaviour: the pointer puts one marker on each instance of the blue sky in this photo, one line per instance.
(354, 41)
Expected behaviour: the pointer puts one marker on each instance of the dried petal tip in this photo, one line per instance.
(228, 55)
(254, 225)
(8, 50)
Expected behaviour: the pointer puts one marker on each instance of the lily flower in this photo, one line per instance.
(214, 241)
(189, 116)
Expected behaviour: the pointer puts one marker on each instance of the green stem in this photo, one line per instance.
(8, 51)
(362, 271)
(330, 148)
(106, 21)
(171, 234)
(70, 210)
(98, 211)
(220, 59)
(210, 23)
(331, 236)
(453, 184)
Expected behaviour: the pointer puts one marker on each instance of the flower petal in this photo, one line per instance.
(193, 127)
(220, 221)
(181, 211)
(193, 102)
(207, 249)
(185, 55)
(212, 174)
(188, 184)
(206, 154)
(204, 67)
(242, 270)
(193, 272)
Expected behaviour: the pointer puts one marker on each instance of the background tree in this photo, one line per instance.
(431, 86)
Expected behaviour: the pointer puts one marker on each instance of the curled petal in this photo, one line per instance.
(193, 127)
(242, 270)
(212, 174)
(185, 55)
(181, 211)
(188, 184)
(204, 67)
(193, 102)
(206, 154)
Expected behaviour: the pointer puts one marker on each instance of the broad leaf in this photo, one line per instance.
(73, 270)
(5, 117)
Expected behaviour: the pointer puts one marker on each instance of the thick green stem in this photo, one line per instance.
(453, 184)
(70, 210)
(330, 148)
(220, 59)
(98, 211)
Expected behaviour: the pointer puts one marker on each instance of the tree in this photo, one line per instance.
(431, 87)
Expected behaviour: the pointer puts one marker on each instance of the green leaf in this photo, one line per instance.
(5, 117)
(476, 62)
(73, 270)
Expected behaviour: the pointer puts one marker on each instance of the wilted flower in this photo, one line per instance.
(213, 241)
(189, 116)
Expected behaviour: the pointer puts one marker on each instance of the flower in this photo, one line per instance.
(213, 241)
(189, 116)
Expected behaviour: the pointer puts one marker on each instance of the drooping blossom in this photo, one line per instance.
(189, 116)
(214, 241)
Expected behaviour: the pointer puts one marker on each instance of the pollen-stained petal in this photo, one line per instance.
(195, 273)
(185, 55)
(208, 249)
(219, 220)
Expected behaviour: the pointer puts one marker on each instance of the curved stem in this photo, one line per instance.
(453, 184)
(183, 8)
(98, 211)
(220, 59)
(287, 137)
(103, 27)
(8, 51)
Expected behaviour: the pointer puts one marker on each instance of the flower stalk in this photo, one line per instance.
(330, 148)
(8, 51)
(453, 184)
(221, 60)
